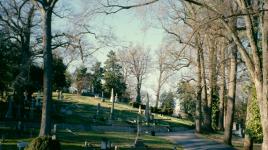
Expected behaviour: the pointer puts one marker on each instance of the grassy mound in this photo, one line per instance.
(44, 143)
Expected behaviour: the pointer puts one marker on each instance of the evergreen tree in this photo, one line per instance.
(113, 76)
(59, 69)
(168, 104)
(97, 75)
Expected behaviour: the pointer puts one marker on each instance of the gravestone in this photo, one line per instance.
(61, 95)
(112, 96)
(58, 94)
(116, 98)
(9, 114)
(116, 147)
(87, 145)
(22, 145)
(3, 140)
(32, 108)
(138, 144)
(25, 95)
(102, 96)
(54, 137)
(139, 109)
(38, 103)
(54, 131)
(98, 110)
(105, 144)
(19, 125)
(92, 90)
(112, 108)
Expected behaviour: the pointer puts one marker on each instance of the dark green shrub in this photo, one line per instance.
(44, 143)
(136, 105)
(155, 110)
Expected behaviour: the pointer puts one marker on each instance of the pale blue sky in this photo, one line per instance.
(127, 25)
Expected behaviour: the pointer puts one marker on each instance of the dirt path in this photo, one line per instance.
(189, 141)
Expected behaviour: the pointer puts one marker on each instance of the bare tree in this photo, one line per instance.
(231, 96)
(167, 65)
(222, 87)
(136, 59)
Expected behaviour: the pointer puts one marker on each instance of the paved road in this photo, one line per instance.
(189, 141)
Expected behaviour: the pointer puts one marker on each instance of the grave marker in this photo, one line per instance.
(112, 95)
(139, 109)
(61, 95)
(98, 109)
(105, 144)
(116, 98)
(22, 145)
(9, 113)
(58, 94)
(102, 96)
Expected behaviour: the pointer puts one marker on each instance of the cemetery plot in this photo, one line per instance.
(81, 122)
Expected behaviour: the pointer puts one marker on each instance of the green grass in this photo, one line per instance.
(84, 108)
(76, 140)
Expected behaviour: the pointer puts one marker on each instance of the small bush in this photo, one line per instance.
(155, 110)
(136, 105)
(44, 143)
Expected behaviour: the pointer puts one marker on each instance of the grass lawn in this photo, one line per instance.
(236, 141)
(84, 108)
(75, 140)
(81, 110)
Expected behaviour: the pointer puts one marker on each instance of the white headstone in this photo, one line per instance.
(116, 98)
(102, 96)
(139, 109)
(112, 95)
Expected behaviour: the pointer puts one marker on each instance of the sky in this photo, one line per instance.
(129, 26)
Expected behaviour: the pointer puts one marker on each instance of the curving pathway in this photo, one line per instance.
(189, 141)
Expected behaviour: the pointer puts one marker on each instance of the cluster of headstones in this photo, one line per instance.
(33, 103)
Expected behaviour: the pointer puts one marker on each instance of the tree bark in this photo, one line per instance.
(204, 91)
(47, 54)
(231, 96)
(138, 89)
(222, 89)
(199, 94)
(212, 80)
(264, 113)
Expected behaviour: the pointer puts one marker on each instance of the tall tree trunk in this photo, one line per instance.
(198, 115)
(231, 96)
(47, 52)
(248, 142)
(222, 88)
(204, 91)
(264, 113)
(138, 89)
(212, 80)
